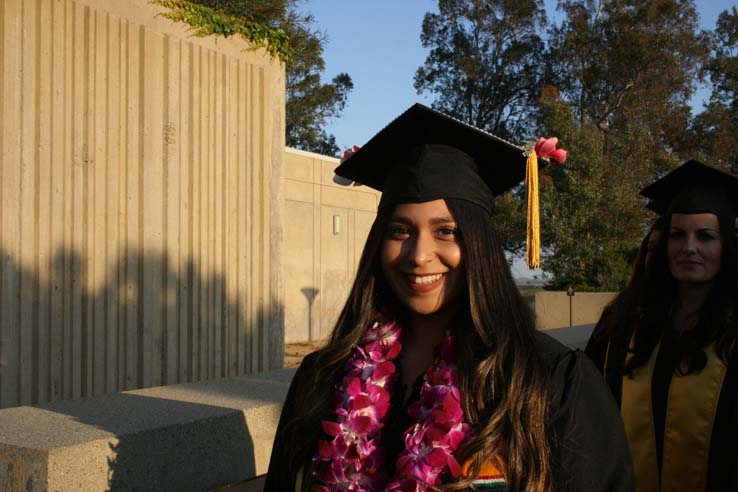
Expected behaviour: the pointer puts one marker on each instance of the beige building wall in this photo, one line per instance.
(140, 229)
(319, 261)
(552, 308)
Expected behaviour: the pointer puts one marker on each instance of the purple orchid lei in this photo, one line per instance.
(353, 460)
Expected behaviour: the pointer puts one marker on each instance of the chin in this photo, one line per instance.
(422, 309)
(426, 307)
(693, 279)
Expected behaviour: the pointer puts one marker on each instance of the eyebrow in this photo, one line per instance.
(434, 221)
(702, 229)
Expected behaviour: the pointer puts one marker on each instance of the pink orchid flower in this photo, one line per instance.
(349, 152)
(546, 147)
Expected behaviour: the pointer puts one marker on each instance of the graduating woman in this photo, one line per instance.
(434, 377)
(678, 374)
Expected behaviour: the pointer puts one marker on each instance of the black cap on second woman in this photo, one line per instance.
(695, 188)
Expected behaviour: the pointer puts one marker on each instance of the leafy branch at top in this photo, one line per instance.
(206, 21)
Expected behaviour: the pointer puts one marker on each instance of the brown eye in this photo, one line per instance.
(398, 231)
(446, 233)
(707, 236)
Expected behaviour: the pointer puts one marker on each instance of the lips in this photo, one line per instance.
(424, 279)
(424, 283)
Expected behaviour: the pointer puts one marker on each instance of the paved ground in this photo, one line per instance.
(575, 337)
(294, 352)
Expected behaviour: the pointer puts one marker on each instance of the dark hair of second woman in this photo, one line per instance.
(502, 378)
(717, 320)
(621, 314)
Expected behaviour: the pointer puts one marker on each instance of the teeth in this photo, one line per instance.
(425, 279)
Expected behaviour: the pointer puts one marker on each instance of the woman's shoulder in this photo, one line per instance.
(588, 440)
(551, 350)
(570, 372)
(307, 364)
(299, 380)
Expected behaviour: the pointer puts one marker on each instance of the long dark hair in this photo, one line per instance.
(717, 317)
(622, 314)
(502, 376)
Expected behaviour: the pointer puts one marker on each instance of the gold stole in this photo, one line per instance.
(298, 479)
(690, 414)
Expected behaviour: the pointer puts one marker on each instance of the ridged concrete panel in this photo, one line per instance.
(139, 224)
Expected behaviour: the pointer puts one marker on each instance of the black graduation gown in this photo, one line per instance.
(722, 471)
(589, 448)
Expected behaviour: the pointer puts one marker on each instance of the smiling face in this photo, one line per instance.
(421, 256)
(694, 248)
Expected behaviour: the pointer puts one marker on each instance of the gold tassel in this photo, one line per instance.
(533, 236)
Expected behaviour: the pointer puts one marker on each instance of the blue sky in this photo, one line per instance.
(383, 58)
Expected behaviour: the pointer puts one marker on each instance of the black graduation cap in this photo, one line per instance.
(424, 155)
(695, 188)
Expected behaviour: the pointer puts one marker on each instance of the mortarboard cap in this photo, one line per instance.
(424, 155)
(695, 188)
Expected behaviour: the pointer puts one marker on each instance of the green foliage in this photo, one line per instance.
(309, 102)
(723, 65)
(628, 59)
(588, 214)
(207, 21)
(621, 75)
(712, 134)
(484, 61)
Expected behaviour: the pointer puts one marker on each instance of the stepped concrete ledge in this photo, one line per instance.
(187, 437)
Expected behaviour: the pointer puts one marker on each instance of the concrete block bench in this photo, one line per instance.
(188, 437)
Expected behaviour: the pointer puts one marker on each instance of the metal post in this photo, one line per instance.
(310, 294)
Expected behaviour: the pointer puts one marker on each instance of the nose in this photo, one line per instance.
(422, 249)
(690, 244)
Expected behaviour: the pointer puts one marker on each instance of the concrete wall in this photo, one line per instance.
(552, 308)
(320, 265)
(185, 438)
(140, 228)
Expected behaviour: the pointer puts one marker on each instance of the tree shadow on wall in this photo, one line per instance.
(78, 330)
(145, 324)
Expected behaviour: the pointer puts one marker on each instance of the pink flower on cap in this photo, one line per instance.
(349, 152)
(546, 147)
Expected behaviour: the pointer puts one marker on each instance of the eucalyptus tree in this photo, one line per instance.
(712, 136)
(621, 75)
(485, 62)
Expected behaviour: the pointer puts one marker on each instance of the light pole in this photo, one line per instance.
(310, 294)
(570, 294)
